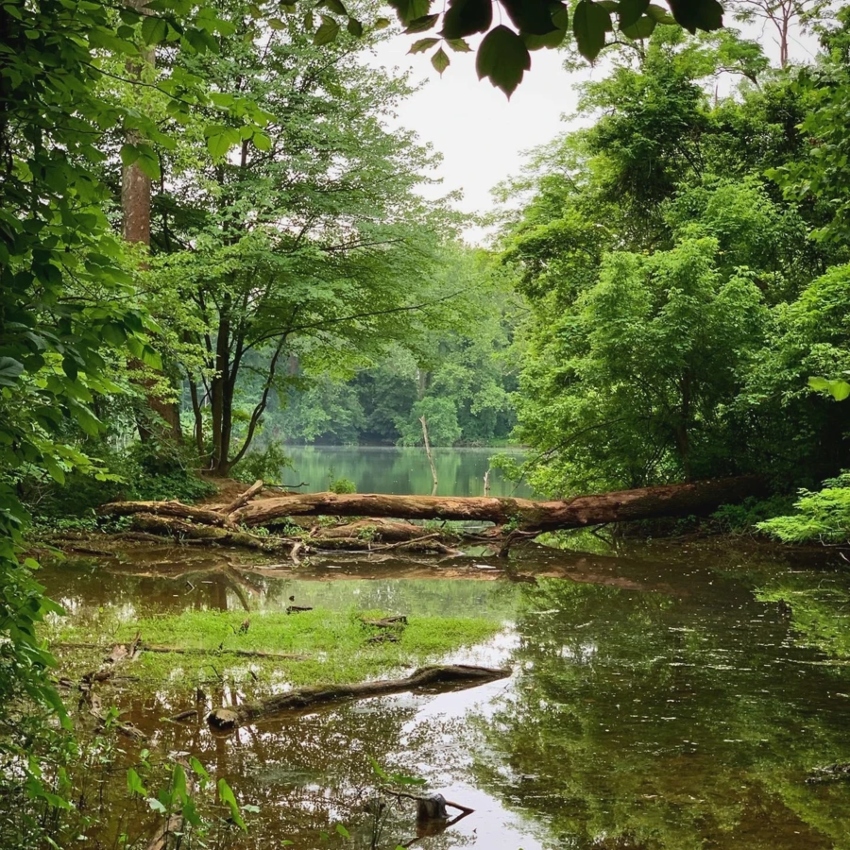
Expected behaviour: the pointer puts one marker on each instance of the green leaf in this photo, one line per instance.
(341, 830)
(466, 17)
(550, 40)
(631, 11)
(134, 783)
(659, 14)
(503, 58)
(422, 45)
(530, 16)
(225, 794)
(154, 30)
(407, 11)
(440, 60)
(422, 24)
(355, 27)
(560, 16)
(262, 142)
(54, 469)
(642, 28)
(336, 6)
(590, 23)
(178, 784)
(696, 15)
(458, 45)
(381, 23)
(10, 371)
(382, 774)
(199, 769)
(277, 24)
(838, 389)
(327, 32)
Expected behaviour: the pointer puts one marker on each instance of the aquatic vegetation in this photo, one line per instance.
(321, 645)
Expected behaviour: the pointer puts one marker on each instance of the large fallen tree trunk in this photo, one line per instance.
(458, 675)
(524, 516)
(645, 503)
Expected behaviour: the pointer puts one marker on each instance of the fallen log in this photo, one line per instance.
(460, 675)
(695, 498)
(183, 529)
(524, 517)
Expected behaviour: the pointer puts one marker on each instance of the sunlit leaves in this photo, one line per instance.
(837, 388)
(503, 58)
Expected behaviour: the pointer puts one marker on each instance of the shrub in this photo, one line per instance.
(822, 515)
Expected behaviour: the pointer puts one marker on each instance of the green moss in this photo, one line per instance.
(335, 645)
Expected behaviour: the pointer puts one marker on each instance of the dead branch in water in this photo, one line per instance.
(457, 675)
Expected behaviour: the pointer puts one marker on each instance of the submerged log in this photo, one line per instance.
(626, 505)
(460, 675)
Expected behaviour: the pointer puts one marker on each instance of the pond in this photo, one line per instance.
(665, 697)
(388, 469)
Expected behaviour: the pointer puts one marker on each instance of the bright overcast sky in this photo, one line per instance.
(480, 133)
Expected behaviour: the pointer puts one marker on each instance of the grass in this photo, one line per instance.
(335, 645)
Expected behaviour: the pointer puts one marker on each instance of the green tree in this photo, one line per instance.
(301, 240)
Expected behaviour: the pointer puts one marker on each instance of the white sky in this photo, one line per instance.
(480, 133)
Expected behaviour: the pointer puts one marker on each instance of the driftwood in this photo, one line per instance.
(460, 675)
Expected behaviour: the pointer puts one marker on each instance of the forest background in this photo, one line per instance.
(212, 242)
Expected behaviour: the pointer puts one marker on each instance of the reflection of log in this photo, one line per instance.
(457, 674)
(644, 503)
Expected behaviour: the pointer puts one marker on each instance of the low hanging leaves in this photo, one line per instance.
(590, 24)
(465, 17)
(440, 60)
(533, 17)
(503, 58)
(696, 15)
(423, 44)
(631, 11)
(327, 31)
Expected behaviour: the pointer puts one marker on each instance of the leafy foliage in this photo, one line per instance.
(822, 516)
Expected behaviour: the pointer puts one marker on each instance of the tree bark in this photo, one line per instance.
(136, 228)
(626, 505)
(457, 675)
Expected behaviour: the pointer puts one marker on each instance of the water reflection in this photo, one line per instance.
(668, 700)
(386, 469)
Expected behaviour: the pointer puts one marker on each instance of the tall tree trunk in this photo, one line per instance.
(221, 395)
(164, 425)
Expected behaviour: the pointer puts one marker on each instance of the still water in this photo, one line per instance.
(662, 698)
(387, 469)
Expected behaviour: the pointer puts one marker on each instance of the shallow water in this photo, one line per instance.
(670, 697)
